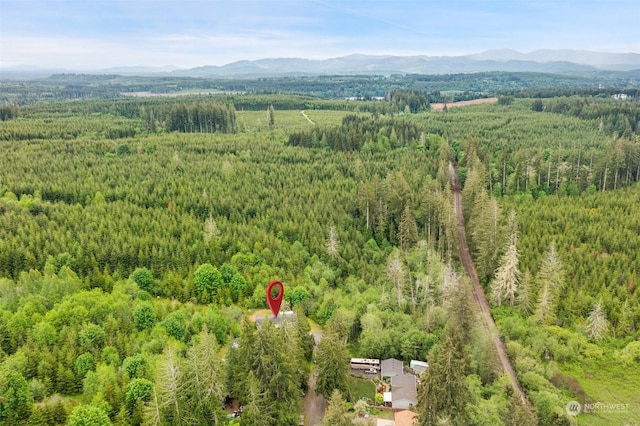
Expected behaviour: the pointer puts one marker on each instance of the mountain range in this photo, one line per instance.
(547, 61)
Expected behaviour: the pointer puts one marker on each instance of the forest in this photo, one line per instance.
(138, 236)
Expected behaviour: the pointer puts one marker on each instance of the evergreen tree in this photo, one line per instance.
(211, 230)
(525, 304)
(307, 341)
(505, 283)
(332, 243)
(407, 229)
(169, 387)
(444, 391)
(337, 413)
(270, 116)
(203, 383)
(276, 375)
(240, 359)
(256, 412)
(15, 398)
(549, 281)
(597, 324)
(485, 233)
(333, 365)
(397, 274)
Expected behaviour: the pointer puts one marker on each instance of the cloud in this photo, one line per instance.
(187, 33)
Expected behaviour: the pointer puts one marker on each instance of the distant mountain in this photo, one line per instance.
(547, 61)
(601, 60)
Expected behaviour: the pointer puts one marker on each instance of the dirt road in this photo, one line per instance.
(304, 114)
(481, 299)
(314, 405)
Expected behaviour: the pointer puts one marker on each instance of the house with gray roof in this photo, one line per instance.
(404, 391)
(392, 367)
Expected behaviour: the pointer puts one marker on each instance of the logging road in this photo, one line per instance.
(481, 299)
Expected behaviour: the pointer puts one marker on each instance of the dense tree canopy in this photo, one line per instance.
(133, 258)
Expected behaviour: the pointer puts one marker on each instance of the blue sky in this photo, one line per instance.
(91, 34)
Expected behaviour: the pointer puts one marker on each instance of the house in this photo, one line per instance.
(277, 320)
(392, 367)
(385, 422)
(404, 387)
(404, 391)
(418, 366)
(405, 418)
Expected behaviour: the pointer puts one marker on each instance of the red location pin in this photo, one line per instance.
(275, 302)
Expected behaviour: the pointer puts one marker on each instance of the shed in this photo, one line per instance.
(418, 366)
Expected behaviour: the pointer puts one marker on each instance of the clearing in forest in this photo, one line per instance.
(440, 107)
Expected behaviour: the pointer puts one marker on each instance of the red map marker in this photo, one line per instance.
(275, 302)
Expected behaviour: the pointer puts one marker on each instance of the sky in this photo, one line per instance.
(97, 34)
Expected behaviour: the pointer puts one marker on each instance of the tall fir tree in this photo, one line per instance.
(337, 413)
(333, 362)
(549, 280)
(505, 283)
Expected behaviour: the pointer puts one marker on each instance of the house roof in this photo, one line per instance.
(392, 367)
(404, 387)
(276, 321)
(418, 366)
(405, 418)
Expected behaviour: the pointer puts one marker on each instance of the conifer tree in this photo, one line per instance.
(397, 274)
(444, 392)
(169, 386)
(407, 229)
(333, 362)
(549, 281)
(332, 242)
(337, 413)
(505, 283)
(203, 378)
(256, 412)
(525, 304)
(597, 324)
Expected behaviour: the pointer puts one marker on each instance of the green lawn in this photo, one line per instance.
(361, 388)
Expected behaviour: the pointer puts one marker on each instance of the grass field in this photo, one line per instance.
(255, 121)
(614, 392)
